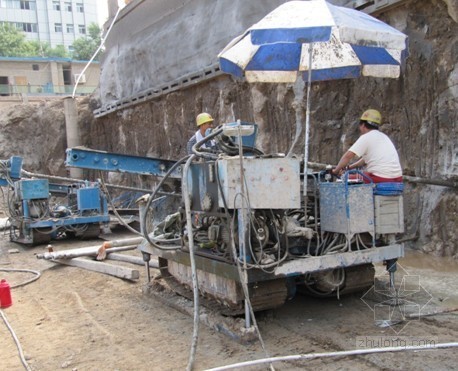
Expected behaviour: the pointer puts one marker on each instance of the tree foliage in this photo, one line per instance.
(13, 43)
(39, 49)
(58, 51)
(85, 47)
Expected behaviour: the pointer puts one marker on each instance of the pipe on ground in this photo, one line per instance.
(344, 353)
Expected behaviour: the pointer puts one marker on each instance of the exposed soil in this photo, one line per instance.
(79, 320)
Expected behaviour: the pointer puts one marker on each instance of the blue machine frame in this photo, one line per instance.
(99, 160)
(33, 222)
(206, 184)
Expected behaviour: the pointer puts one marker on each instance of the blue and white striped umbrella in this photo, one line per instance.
(319, 41)
(344, 43)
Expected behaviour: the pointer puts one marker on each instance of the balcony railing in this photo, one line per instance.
(47, 89)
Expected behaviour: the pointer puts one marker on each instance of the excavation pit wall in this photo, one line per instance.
(420, 109)
(419, 112)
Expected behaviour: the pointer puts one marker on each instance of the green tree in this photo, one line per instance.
(85, 47)
(40, 49)
(35, 48)
(58, 51)
(14, 44)
(11, 42)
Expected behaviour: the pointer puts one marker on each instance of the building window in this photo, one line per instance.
(26, 27)
(31, 27)
(68, 7)
(71, 49)
(56, 5)
(57, 27)
(70, 28)
(35, 67)
(82, 29)
(80, 7)
(27, 4)
(15, 4)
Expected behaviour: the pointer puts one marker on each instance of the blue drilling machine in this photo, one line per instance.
(39, 211)
(251, 227)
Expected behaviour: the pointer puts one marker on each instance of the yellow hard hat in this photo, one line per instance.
(372, 116)
(203, 118)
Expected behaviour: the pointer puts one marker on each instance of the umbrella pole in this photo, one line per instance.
(307, 131)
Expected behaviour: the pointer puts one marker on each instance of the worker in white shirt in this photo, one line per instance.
(375, 151)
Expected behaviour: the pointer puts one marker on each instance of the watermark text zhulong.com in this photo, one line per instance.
(365, 342)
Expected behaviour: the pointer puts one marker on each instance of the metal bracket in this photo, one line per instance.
(100, 160)
(347, 259)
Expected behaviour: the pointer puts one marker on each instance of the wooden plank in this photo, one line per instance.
(105, 268)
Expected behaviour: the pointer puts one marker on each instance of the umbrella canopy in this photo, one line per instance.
(319, 41)
(317, 38)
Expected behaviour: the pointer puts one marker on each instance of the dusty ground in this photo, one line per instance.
(79, 320)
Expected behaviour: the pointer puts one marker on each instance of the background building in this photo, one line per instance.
(46, 76)
(57, 22)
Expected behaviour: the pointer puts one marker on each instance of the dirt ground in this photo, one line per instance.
(80, 320)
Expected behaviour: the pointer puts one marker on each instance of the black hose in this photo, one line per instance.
(231, 150)
(205, 153)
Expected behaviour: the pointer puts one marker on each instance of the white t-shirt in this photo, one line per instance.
(379, 154)
(200, 137)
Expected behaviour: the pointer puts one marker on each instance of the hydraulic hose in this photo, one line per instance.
(232, 149)
(196, 147)
(16, 340)
(110, 201)
(240, 272)
(344, 353)
(150, 200)
(195, 287)
(229, 150)
(36, 273)
(5, 319)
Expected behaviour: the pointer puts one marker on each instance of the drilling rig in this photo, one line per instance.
(253, 234)
(39, 211)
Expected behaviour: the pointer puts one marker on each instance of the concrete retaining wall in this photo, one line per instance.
(156, 42)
